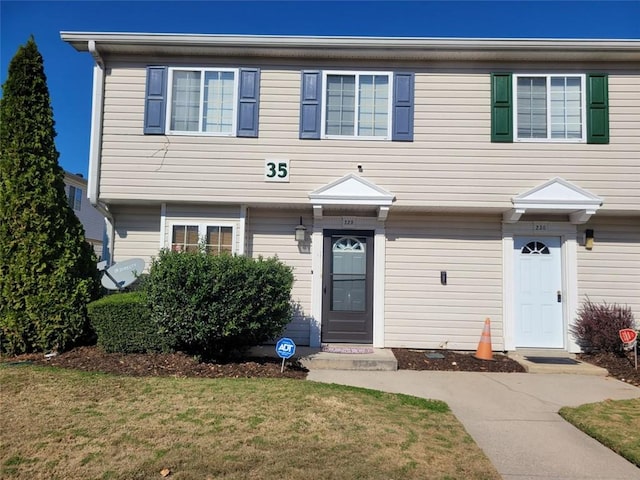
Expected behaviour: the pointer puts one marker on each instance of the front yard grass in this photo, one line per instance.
(614, 423)
(63, 424)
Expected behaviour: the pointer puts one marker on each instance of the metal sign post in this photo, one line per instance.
(285, 348)
(629, 339)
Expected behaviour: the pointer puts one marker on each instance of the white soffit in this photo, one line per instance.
(352, 190)
(558, 196)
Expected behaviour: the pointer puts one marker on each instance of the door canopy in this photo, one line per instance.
(557, 196)
(351, 190)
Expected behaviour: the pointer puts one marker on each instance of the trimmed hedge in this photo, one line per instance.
(212, 306)
(123, 324)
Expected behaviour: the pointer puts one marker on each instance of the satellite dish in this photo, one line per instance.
(122, 274)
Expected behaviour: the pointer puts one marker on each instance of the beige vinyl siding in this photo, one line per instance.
(610, 272)
(450, 164)
(203, 215)
(270, 233)
(420, 312)
(137, 233)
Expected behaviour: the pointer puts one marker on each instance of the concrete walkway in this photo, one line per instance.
(513, 417)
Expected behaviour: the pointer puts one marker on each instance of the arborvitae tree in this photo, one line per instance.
(47, 269)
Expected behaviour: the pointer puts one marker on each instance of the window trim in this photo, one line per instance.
(202, 231)
(549, 139)
(355, 136)
(202, 70)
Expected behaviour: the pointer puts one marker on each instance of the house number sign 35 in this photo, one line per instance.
(276, 170)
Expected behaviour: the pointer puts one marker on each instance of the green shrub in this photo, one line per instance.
(213, 305)
(598, 325)
(123, 324)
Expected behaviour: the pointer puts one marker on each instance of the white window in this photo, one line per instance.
(357, 105)
(216, 239)
(203, 101)
(550, 107)
(74, 197)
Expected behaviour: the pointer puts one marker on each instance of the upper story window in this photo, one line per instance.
(357, 105)
(74, 197)
(204, 101)
(550, 107)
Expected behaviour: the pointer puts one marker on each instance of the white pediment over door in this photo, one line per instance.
(351, 190)
(555, 196)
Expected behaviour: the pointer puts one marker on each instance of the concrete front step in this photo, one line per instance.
(554, 361)
(379, 359)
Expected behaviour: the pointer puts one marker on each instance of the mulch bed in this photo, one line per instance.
(409, 359)
(94, 359)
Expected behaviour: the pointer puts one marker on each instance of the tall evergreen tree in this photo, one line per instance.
(47, 269)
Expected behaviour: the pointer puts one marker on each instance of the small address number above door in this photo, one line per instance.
(276, 170)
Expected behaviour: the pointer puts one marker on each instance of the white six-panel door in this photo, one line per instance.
(538, 292)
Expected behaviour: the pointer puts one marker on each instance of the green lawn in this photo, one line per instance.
(614, 423)
(63, 424)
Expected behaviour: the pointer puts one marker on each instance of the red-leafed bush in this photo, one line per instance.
(598, 325)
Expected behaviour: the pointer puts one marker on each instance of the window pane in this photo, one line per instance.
(184, 238)
(566, 107)
(218, 102)
(532, 107)
(219, 239)
(341, 97)
(71, 196)
(185, 101)
(373, 105)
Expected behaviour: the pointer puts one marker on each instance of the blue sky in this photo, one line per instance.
(69, 73)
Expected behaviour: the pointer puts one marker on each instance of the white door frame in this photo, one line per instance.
(569, 264)
(379, 246)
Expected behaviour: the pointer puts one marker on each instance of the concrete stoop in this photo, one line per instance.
(380, 359)
(554, 361)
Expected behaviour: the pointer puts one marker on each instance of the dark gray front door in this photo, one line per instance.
(347, 304)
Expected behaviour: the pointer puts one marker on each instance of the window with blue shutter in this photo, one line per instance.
(357, 105)
(248, 102)
(310, 105)
(207, 101)
(402, 121)
(155, 101)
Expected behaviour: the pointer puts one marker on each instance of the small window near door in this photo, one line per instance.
(535, 248)
(185, 238)
(219, 240)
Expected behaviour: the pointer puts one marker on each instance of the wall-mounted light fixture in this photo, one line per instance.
(588, 239)
(300, 232)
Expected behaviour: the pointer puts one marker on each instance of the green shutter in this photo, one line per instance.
(597, 108)
(501, 108)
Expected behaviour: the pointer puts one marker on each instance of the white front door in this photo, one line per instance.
(538, 292)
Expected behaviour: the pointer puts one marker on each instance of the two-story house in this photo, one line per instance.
(415, 185)
(92, 220)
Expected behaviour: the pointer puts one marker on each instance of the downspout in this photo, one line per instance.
(93, 186)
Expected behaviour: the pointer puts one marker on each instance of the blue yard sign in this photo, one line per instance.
(285, 348)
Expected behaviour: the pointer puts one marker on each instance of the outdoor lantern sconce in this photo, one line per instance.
(588, 239)
(300, 232)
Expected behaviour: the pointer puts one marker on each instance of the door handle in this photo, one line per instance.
(559, 296)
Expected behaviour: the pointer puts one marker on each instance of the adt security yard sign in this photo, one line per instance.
(285, 348)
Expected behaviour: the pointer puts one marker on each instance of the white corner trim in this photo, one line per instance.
(242, 225)
(379, 267)
(383, 213)
(163, 225)
(97, 101)
(315, 338)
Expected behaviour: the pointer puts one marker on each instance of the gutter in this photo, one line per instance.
(93, 184)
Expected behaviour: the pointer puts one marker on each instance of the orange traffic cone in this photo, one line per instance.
(484, 346)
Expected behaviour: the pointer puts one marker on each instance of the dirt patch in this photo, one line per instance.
(93, 359)
(621, 367)
(409, 359)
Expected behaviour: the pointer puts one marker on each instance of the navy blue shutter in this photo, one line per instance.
(310, 104)
(248, 102)
(155, 105)
(402, 121)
